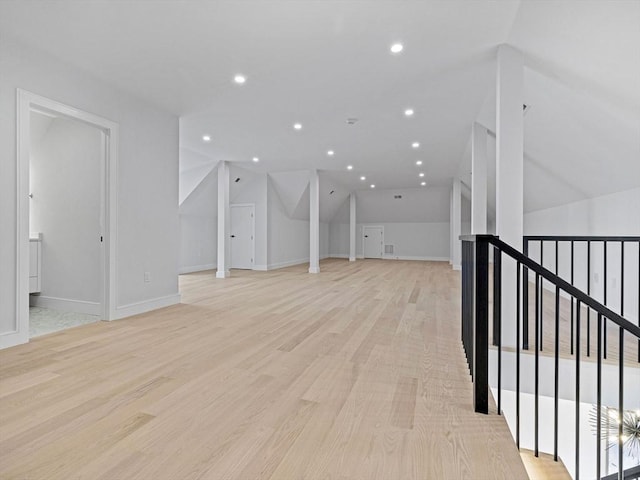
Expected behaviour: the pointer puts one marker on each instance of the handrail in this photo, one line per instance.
(475, 335)
(556, 280)
(581, 238)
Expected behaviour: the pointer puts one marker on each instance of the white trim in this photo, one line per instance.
(314, 269)
(417, 258)
(66, 304)
(456, 267)
(197, 268)
(260, 268)
(338, 255)
(288, 263)
(225, 274)
(146, 306)
(25, 101)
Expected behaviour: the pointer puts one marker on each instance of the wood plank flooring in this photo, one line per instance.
(354, 373)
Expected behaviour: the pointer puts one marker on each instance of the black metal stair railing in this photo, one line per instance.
(476, 335)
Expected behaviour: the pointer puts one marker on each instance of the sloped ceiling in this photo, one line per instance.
(292, 189)
(320, 63)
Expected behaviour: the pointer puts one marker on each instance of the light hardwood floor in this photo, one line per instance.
(355, 373)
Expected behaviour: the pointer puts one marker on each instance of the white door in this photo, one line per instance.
(242, 236)
(373, 242)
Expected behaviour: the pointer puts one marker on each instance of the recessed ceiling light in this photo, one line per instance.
(421, 174)
(256, 159)
(418, 162)
(297, 126)
(206, 138)
(330, 153)
(409, 112)
(363, 178)
(349, 167)
(239, 79)
(396, 48)
(415, 145)
(372, 186)
(423, 183)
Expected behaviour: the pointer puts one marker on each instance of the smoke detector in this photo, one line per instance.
(351, 121)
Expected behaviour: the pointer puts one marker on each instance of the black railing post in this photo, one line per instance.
(525, 300)
(481, 327)
(468, 262)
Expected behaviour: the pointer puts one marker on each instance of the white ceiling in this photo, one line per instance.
(320, 62)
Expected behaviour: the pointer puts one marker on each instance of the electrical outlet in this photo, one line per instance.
(147, 277)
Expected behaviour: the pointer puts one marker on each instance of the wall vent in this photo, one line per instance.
(389, 249)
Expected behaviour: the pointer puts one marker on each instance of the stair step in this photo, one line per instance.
(543, 467)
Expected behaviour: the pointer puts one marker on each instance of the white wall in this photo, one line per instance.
(199, 227)
(287, 238)
(147, 203)
(412, 241)
(65, 176)
(609, 215)
(339, 240)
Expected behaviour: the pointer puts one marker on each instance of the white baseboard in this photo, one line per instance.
(339, 255)
(11, 339)
(288, 263)
(260, 268)
(418, 258)
(457, 267)
(146, 306)
(65, 304)
(196, 268)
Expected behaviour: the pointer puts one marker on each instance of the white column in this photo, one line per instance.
(478, 179)
(456, 224)
(352, 227)
(224, 221)
(314, 222)
(509, 175)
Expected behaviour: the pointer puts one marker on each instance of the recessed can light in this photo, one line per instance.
(396, 48)
(206, 138)
(349, 167)
(423, 183)
(239, 79)
(372, 186)
(297, 126)
(418, 162)
(330, 153)
(363, 178)
(256, 159)
(409, 112)
(421, 174)
(415, 145)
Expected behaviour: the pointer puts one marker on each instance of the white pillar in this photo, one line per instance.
(456, 224)
(224, 221)
(314, 222)
(478, 179)
(352, 227)
(509, 175)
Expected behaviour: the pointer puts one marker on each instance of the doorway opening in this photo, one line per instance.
(242, 236)
(372, 241)
(66, 216)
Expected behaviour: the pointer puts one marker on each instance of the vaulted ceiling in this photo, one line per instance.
(321, 62)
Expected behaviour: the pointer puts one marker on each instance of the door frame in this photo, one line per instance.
(27, 102)
(381, 227)
(253, 230)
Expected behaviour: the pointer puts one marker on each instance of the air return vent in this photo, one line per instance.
(389, 249)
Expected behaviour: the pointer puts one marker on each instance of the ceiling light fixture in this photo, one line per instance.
(396, 48)
(418, 162)
(372, 186)
(363, 178)
(206, 138)
(297, 126)
(256, 159)
(409, 112)
(423, 183)
(330, 153)
(415, 145)
(349, 167)
(421, 174)
(239, 79)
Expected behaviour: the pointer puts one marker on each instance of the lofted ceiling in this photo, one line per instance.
(321, 62)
